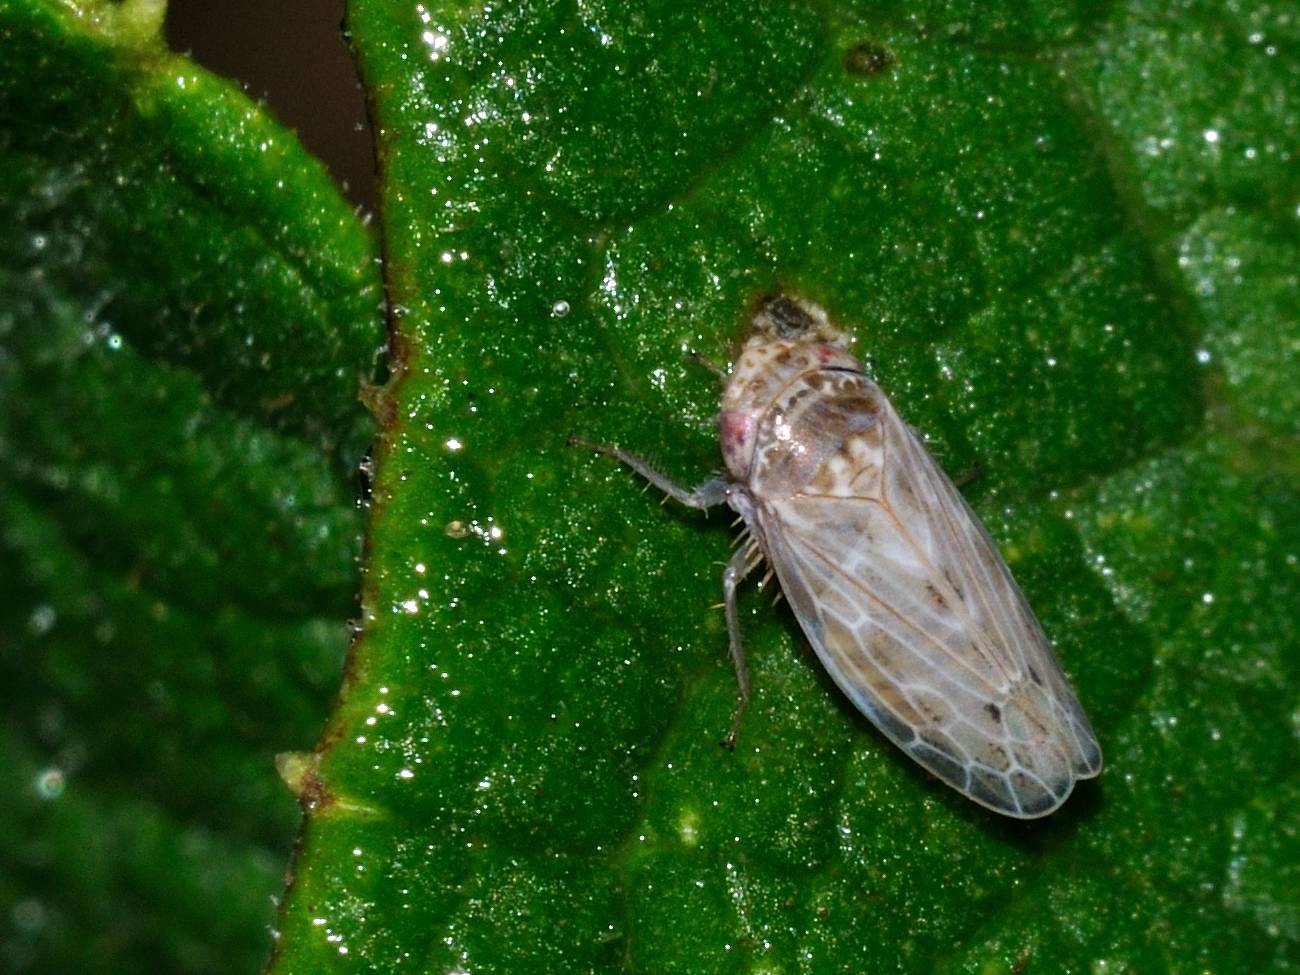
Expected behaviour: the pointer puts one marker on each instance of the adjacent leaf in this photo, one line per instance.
(187, 310)
(1055, 271)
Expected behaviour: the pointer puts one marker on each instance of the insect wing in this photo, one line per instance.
(916, 617)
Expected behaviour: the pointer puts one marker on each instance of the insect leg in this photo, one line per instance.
(974, 473)
(709, 494)
(741, 564)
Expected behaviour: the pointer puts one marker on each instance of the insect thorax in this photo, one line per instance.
(788, 406)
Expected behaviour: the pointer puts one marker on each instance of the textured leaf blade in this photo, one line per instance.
(523, 773)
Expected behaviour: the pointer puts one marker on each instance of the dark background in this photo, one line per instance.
(291, 55)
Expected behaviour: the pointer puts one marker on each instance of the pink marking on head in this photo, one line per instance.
(826, 353)
(736, 431)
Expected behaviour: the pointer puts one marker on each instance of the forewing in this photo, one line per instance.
(916, 617)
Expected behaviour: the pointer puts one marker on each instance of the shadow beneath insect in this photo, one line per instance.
(1039, 836)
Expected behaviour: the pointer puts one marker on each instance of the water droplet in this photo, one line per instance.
(29, 915)
(42, 620)
(50, 783)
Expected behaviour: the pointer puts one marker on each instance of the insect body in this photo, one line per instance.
(896, 584)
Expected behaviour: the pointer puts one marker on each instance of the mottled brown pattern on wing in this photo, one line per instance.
(908, 603)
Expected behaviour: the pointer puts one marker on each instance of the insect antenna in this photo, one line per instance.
(700, 359)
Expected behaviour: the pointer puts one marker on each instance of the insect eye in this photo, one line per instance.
(789, 320)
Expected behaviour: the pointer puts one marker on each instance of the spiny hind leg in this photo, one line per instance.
(710, 494)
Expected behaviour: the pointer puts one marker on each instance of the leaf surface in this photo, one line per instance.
(187, 310)
(1066, 240)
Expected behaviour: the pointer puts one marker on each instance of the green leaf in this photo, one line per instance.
(1055, 270)
(187, 309)
(1066, 240)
